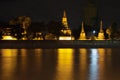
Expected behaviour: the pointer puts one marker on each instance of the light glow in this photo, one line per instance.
(8, 38)
(65, 38)
(94, 31)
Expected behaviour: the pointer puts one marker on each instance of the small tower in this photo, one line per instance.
(82, 34)
(101, 33)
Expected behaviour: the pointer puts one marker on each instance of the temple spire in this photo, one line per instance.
(101, 26)
(101, 33)
(82, 29)
(64, 20)
(64, 14)
(66, 31)
(82, 34)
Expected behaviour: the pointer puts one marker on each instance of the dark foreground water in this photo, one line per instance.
(60, 64)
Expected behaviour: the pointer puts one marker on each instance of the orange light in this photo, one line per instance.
(65, 64)
(65, 38)
(8, 38)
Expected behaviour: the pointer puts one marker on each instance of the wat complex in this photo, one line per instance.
(91, 28)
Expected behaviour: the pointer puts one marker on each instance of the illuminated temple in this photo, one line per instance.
(66, 31)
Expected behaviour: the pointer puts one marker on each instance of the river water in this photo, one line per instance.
(60, 64)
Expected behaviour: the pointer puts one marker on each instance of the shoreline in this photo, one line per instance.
(5, 44)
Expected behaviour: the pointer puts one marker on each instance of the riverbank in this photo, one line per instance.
(59, 44)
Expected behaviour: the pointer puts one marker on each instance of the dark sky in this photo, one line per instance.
(47, 10)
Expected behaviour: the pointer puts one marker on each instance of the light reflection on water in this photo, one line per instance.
(65, 64)
(8, 63)
(93, 65)
(60, 64)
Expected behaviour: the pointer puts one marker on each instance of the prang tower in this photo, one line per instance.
(64, 20)
(66, 30)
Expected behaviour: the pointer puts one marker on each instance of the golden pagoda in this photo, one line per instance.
(66, 30)
(101, 33)
(82, 34)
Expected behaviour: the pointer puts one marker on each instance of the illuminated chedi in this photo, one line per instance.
(66, 30)
(82, 34)
(64, 20)
(101, 33)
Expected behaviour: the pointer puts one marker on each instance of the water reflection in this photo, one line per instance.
(23, 52)
(9, 52)
(65, 64)
(60, 64)
(83, 63)
(101, 61)
(23, 61)
(83, 57)
(98, 66)
(93, 65)
(9, 61)
(38, 59)
(109, 51)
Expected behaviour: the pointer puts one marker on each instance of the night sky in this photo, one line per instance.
(46, 10)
